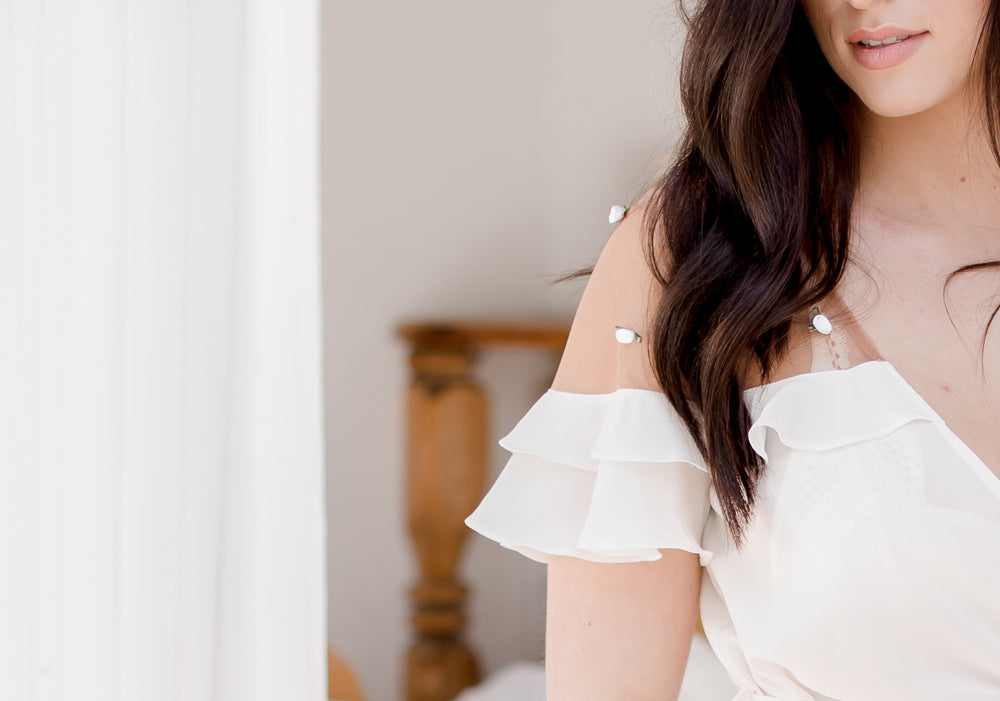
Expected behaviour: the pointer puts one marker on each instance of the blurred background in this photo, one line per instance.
(470, 154)
(214, 218)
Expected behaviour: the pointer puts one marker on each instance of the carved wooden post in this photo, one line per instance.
(447, 444)
(446, 474)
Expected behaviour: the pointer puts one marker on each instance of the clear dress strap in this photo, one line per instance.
(846, 344)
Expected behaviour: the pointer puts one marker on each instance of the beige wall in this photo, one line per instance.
(470, 152)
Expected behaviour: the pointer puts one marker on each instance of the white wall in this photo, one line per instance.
(470, 153)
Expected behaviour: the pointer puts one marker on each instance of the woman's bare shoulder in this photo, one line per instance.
(622, 292)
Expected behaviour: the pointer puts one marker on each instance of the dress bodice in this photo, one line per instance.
(871, 567)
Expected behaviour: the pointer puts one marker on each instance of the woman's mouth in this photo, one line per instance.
(880, 52)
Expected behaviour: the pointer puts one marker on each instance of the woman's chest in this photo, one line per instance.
(939, 333)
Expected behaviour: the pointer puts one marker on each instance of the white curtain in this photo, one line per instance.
(161, 455)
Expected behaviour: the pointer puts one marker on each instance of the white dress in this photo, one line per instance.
(871, 569)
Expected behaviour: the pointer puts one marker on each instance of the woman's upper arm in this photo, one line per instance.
(617, 630)
(620, 631)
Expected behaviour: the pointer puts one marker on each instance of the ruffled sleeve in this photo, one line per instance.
(605, 477)
(601, 466)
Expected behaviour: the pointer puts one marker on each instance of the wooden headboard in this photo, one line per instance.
(448, 448)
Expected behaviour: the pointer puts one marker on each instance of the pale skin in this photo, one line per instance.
(928, 203)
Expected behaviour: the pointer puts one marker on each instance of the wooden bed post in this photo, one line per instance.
(446, 475)
(447, 446)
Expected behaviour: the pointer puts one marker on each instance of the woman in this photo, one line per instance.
(798, 422)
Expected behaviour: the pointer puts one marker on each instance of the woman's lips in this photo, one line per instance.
(877, 58)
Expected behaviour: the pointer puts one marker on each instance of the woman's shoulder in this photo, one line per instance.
(609, 343)
(601, 466)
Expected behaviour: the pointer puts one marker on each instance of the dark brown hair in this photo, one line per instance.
(749, 226)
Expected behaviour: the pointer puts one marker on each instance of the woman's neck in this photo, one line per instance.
(934, 168)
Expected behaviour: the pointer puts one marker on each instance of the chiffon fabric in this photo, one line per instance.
(871, 568)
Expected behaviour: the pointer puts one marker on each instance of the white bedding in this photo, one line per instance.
(704, 680)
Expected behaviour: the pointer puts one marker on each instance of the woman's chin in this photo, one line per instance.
(905, 106)
(908, 98)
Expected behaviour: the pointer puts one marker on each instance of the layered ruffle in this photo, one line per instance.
(609, 477)
(821, 410)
